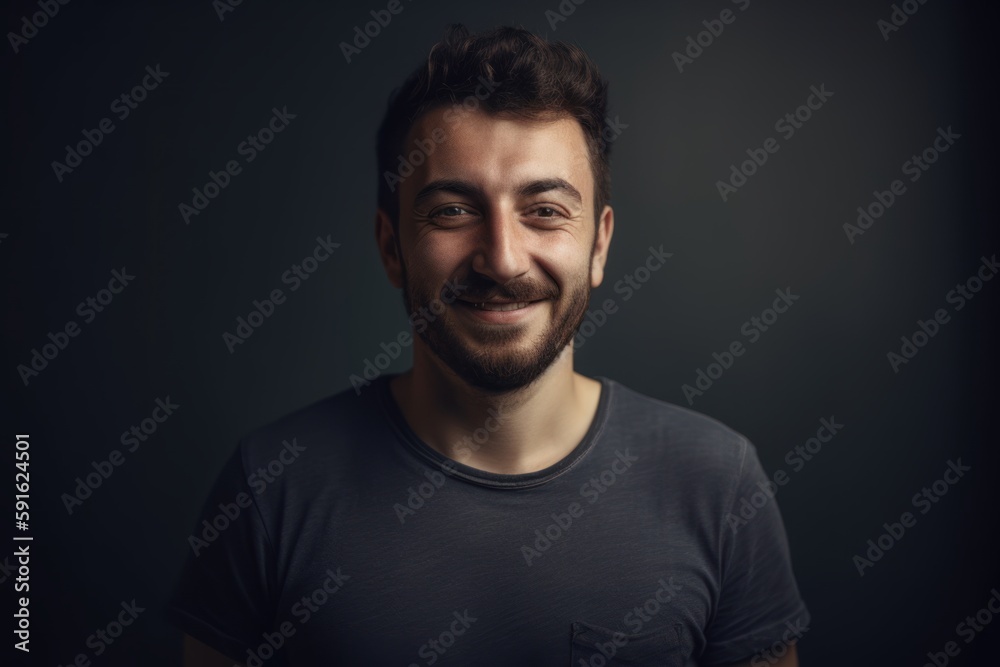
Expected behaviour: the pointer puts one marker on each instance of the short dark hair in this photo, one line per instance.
(529, 78)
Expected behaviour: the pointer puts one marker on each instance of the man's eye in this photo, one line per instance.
(449, 212)
(546, 212)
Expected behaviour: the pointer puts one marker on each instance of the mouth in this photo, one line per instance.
(499, 306)
(500, 312)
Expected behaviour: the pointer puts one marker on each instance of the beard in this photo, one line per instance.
(498, 359)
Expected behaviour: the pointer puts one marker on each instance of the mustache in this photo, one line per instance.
(481, 288)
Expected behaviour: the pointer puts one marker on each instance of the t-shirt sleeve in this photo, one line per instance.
(224, 595)
(759, 605)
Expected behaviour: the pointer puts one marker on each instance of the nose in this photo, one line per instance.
(503, 251)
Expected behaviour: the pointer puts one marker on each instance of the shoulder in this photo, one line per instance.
(313, 440)
(682, 442)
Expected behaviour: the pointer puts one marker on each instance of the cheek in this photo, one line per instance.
(441, 256)
(564, 258)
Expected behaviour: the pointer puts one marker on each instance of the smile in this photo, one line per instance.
(503, 307)
(500, 312)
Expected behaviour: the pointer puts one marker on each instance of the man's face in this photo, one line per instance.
(505, 209)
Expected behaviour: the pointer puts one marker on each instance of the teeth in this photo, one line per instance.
(502, 306)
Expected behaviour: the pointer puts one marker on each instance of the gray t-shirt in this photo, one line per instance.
(336, 536)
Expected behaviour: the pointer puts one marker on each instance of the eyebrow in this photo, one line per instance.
(461, 187)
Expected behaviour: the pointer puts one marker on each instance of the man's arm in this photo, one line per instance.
(790, 659)
(197, 654)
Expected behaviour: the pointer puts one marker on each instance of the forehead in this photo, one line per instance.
(496, 152)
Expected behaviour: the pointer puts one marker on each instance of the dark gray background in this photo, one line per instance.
(825, 357)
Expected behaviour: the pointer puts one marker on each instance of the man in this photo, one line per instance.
(490, 506)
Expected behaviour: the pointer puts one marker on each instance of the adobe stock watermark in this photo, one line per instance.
(592, 490)
(562, 12)
(258, 481)
(303, 611)
(453, 116)
(122, 106)
(796, 458)
(435, 647)
(22, 617)
(263, 309)
(419, 320)
(86, 309)
(898, 17)
(635, 620)
(968, 629)
(249, 149)
(914, 168)
(923, 500)
(372, 29)
(131, 439)
(611, 131)
(696, 44)
(960, 295)
(32, 23)
(7, 570)
(223, 7)
(752, 329)
(418, 497)
(103, 638)
(627, 286)
(787, 125)
(779, 649)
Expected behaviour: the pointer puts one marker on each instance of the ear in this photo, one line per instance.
(605, 227)
(388, 248)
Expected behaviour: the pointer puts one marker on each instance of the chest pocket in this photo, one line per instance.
(594, 646)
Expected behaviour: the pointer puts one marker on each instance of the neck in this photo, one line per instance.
(522, 430)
